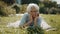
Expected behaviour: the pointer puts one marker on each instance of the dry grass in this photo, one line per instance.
(53, 20)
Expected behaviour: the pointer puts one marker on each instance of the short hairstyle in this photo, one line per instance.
(31, 5)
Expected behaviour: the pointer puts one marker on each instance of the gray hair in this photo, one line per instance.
(31, 5)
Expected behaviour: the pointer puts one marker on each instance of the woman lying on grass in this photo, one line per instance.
(32, 18)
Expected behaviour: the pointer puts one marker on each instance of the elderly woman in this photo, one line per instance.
(32, 18)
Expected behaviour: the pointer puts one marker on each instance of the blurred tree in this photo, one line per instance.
(50, 4)
(2, 11)
(29, 1)
(9, 2)
(54, 4)
(16, 8)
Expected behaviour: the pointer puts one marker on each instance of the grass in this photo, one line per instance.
(5, 20)
(53, 20)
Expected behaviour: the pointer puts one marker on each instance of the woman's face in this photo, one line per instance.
(33, 11)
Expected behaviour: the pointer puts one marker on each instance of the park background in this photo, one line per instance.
(9, 9)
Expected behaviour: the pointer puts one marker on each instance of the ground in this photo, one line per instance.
(53, 20)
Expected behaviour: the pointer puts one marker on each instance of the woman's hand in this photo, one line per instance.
(29, 22)
(35, 19)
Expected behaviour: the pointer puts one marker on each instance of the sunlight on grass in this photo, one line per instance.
(4, 20)
(53, 20)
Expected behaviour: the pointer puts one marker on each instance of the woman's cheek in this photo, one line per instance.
(34, 15)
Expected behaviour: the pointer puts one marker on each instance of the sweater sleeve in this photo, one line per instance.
(23, 19)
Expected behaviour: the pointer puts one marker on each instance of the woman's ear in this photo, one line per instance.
(37, 14)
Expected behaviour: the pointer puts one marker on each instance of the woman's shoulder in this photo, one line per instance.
(26, 14)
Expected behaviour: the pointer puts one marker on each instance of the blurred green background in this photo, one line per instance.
(19, 6)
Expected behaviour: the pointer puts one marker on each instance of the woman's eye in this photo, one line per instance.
(31, 11)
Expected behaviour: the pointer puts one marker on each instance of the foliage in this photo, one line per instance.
(29, 1)
(8, 2)
(34, 30)
(50, 4)
(4, 11)
(23, 8)
(16, 8)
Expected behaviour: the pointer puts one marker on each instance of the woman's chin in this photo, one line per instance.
(33, 16)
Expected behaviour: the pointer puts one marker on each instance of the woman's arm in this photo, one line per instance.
(23, 19)
(35, 20)
(29, 22)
